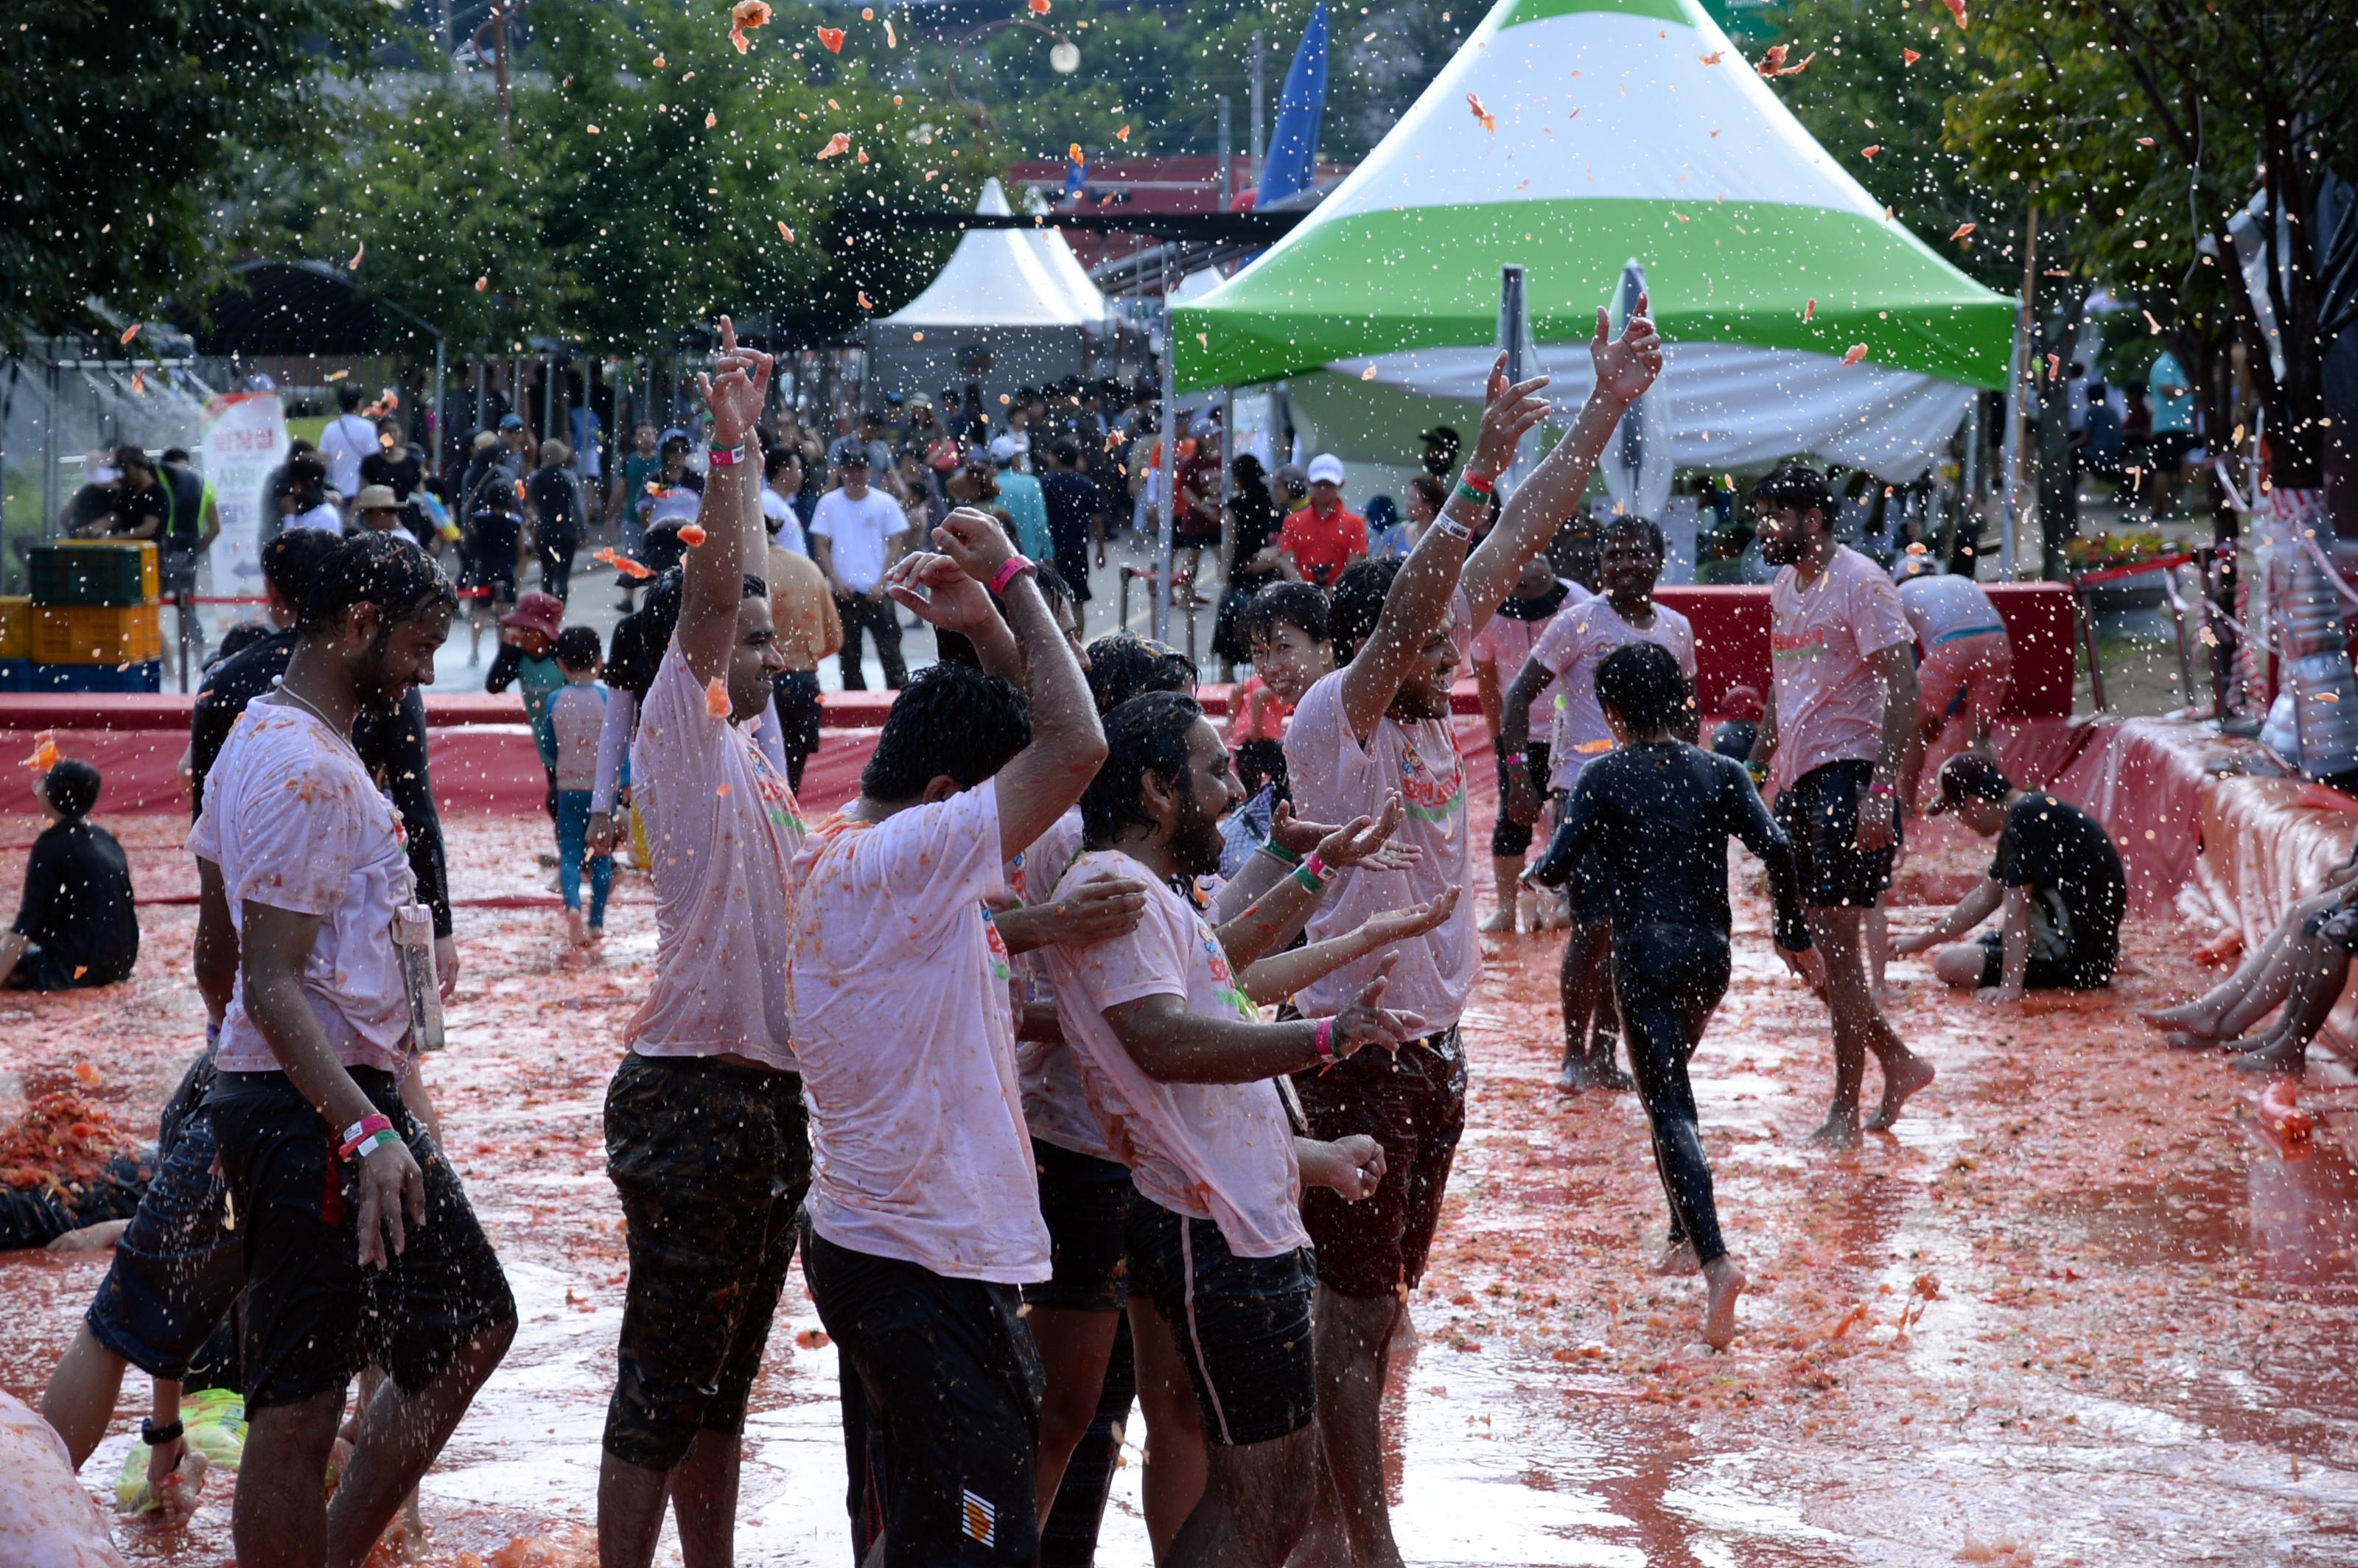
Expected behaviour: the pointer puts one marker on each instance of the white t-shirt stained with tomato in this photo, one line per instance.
(1055, 1108)
(1218, 1152)
(1336, 778)
(1823, 641)
(295, 822)
(1573, 644)
(907, 1045)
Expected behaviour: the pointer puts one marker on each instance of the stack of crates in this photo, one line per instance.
(93, 624)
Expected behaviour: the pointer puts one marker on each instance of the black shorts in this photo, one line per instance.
(1820, 815)
(1510, 840)
(799, 712)
(944, 1431)
(1414, 1105)
(2069, 973)
(2337, 926)
(1086, 1204)
(712, 1160)
(1242, 1324)
(177, 1267)
(314, 1317)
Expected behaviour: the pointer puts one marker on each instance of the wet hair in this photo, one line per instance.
(1123, 665)
(1967, 775)
(387, 570)
(495, 495)
(1148, 734)
(1630, 523)
(957, 648)
(1066, 450)
(640, 637)
(290, 561)
(1643, 684)
(1357, 604)
(1246, 472)
(70, 787)
(949, 719)
(1300, 605)
(348, 397)
(1797, 488)
(577, 649)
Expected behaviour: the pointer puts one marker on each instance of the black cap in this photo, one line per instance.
(1968, 775)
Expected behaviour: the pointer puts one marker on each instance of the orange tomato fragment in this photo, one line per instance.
(837, 146)
(692, 535)
(1490, 121)
(1809, 310)
(716, 698)
(789, 234)
(1855, 354)
(1962, 230)
(130, 332)
(833, 38)
(1908, 56)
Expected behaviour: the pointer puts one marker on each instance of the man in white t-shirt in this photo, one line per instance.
(707, 1141)
(350, 438)
(924, 1216)
(1841, 709)
(781, 481)
(360, 1249)
(1179, 1075)
(1567, 653)
(1381, 724)
(856, 533)
(1964, 660)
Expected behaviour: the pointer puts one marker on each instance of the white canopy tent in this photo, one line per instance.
(1011, 307)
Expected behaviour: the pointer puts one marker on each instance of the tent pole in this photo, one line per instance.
(2017, 477)
(1164, 489)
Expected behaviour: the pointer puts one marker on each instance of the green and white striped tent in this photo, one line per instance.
(1615, 141)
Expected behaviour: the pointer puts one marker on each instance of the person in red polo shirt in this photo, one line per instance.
(1321, 539)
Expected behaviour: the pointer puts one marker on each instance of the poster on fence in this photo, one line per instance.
(245, 444)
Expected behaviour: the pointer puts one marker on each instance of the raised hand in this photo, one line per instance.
(1509, 412)
(1626, 365)
(1400, 924)
(976, 542)
(1367, 841)
(938, 591)
(736, 390)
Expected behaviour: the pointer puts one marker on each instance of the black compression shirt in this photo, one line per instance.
(1660, 813)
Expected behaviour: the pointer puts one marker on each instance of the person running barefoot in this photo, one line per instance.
(1657, 814)
(924, 1217)
(1178, 1069)
(1837, 731)
(707, 1142)
(1380, 725)
(361, 1249)
(1576, 642)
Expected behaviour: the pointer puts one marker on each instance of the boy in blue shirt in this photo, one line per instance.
(576, 712)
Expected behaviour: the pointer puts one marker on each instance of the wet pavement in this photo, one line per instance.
(2081, 1308)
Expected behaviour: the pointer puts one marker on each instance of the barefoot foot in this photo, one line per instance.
(1500, 922)
(2177, 1039)
(2282, 1056)
(2191, 1016)
(1839, 1130)
(1902, 1079)
(1575, 1077)
(1601, 1067)
(1724, 1282)
(1680, 1259)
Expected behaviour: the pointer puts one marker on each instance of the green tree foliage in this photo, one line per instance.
(128, 130)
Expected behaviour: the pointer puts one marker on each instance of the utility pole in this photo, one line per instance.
(496, 24)
(1228, 173)
(1260, 99)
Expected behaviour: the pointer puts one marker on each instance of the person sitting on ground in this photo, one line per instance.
(2316, 969)
(75, 925)
(2056, 881)
(2263, 980)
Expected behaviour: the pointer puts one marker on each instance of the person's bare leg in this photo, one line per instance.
(630, 1512)
(1677, 1259)
(1858, 1029)
(280, 1517)
(81, 1395)
(1504, 869)
(1604, 1024)
(2206, 1013)
(1176, 1474)
(704, 1500)
(1879, 951)
(400, 1435)
(1958, 965)
(1354, 1355)
(1075, 1348)
(2315, 991)
(1581, 984)
(1256, 1504)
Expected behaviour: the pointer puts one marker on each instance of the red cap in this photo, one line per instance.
(541, 612)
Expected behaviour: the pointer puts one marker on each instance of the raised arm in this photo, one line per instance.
(1419, 600)
(1625, 367)
(713, 576)
(1280, 975)
(1172, 1045)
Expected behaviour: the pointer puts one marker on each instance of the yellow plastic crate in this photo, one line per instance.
(97, 633)
(16, 627)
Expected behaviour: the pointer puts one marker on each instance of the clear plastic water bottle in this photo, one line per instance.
(413, 933)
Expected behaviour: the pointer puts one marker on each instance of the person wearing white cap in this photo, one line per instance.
(1021, 494)
(1324, 536)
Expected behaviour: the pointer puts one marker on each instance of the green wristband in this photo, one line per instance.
(1281, 852)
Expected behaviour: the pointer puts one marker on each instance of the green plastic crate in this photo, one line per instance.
(94, 571)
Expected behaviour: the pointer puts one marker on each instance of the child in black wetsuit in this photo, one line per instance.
(1659, 813)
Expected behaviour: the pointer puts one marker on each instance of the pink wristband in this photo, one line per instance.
(1323, 1037)
(360, 1132)
(726, 456)
(1006, 574)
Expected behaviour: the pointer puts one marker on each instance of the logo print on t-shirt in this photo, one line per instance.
(1428, 794)
(1001, 970)
(1224, 979)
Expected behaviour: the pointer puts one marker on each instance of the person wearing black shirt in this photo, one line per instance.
(1659, 813)
(75, 925)
(392, 748)
(401, 467)
(1072, 501)
(2056, 884)
(555, 502)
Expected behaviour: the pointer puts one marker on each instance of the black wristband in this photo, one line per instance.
(155, 1436)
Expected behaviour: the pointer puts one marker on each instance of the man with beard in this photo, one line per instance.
(361, 1249)
(1381, 724)
(1840, 713)
(1178, 1072)
(707, 1141)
